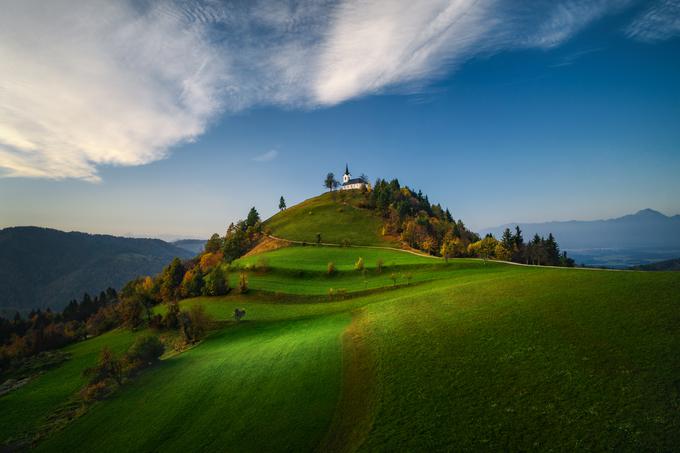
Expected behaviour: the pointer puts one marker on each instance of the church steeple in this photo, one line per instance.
(346, 169)
(346, 177)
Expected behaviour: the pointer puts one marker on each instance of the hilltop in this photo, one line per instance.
(338, 216)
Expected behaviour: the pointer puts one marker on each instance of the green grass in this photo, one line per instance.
(256, 387)
(472, 357)
(335, 215)
(313, 258)
(27, 408)
(557, 359)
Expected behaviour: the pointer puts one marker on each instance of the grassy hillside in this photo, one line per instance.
(337, 216)
(30, 407)
(470, 356)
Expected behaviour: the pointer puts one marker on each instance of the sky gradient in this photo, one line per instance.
(172, 121)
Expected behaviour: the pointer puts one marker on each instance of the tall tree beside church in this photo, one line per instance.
(330, 182)
(282, 203)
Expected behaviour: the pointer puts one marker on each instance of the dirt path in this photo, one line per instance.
(359, 396)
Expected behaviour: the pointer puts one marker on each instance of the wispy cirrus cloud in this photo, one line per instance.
(267, 157)
(660, 21)
(86, 84)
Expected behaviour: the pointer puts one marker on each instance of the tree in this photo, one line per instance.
(330, 270)
(239, 313)
(171, 279)
(216, 282)
(359, 265)
(108, 367)
(330, 182)
(243, 283)
(318, 238)
(194, 323)
(144, 351)
(282, 203)
(253, 217)
(214, 244)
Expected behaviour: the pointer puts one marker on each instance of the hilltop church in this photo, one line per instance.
(352, 183)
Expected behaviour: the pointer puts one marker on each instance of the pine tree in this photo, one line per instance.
(253, 217)
(282, 203)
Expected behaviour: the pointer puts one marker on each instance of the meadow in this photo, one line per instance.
(484, 356)
(336, 216)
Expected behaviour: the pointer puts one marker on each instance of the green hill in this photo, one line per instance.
(409, 353)
(338, 216)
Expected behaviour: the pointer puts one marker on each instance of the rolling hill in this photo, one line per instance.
(42, 267)
(337, 216)
(413, 354)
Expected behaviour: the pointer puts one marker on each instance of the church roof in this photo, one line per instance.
(354, 181)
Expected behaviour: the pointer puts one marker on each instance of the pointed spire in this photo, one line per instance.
(346, 169)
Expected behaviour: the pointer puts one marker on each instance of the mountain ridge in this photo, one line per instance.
(45, 267)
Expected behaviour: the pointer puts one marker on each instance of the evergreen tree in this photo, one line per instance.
(282, 203)
(214, 244)
(253, 217)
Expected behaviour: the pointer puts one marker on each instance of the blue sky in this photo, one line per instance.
(502, 111)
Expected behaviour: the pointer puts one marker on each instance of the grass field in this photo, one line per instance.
(335, 215)
(470, 356)
(28, 408)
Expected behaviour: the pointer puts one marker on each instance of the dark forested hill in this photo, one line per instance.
(195, 246)
(41, 267)
(667, 265)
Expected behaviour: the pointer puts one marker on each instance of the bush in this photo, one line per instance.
(359, 265)
(97, 391)
(108, 368)
(146, 349)
(393, 276)
(243, 283)
(331, 270)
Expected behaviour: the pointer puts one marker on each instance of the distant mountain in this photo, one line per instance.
(645, 229)
(634, 239)
(41, 267)
(194, 246)
(667, 265)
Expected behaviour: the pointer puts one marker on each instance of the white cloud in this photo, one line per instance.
(267, 157)
(101, 84)
(94, 83)
(658, 22)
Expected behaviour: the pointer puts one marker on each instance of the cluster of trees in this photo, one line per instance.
(410, 216)
(134, 306)
(111, 371)
(511, 247)
(44, 330)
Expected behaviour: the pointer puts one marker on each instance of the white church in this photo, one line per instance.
(349, 183)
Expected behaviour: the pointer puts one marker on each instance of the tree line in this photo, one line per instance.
(134, 305)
